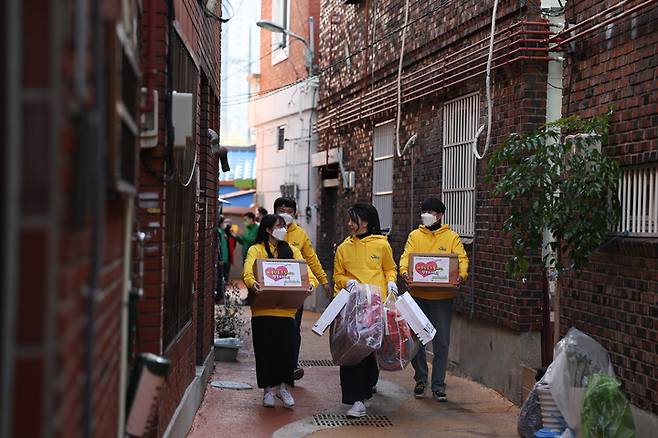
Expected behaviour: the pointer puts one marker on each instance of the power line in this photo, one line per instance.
(245, 98)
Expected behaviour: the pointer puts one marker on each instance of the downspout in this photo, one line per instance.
(12, 178)
(550, 294)
(97, 117)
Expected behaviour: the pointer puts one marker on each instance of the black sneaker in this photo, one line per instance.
(419, 390)
(298, 373)
(440, 396)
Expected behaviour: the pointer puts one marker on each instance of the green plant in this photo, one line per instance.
(229, 317)
(556, 180)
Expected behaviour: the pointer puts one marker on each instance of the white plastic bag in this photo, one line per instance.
(575, 359)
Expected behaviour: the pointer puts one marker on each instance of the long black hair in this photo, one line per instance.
(283, 250)
(367, 213)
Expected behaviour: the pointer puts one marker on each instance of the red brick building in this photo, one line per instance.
(74, 197)
(443, 103)
(611, 60)
(615, 299)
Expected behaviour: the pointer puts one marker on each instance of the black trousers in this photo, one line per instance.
(297, 337)
(274, 347)
(357, 381)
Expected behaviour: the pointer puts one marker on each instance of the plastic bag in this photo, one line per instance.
(606, 412)
(399, 345)
(530, 420)
(357, 330)
(576, 358)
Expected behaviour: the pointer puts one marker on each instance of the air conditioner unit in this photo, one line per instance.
(182, 117)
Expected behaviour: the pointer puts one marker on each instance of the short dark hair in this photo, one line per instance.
(250, 215)
(368, 213)
(262, 211)
(285, 202)
(433, 204)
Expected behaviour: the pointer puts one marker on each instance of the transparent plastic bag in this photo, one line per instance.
(606, 412)
(357, 330)
(399, 344)
(577, 357)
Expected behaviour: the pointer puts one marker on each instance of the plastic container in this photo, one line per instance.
(552, 419)
(226, 349)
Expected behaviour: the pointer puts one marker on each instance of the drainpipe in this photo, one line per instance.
(11, 186)
(549, 284)
(98, 211)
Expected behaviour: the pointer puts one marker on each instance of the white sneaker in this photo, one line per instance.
(268, 398)
(285, 396)
(357, 410)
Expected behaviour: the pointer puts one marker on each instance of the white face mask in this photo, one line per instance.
(287, 218)
(279, 233)
(428, 219)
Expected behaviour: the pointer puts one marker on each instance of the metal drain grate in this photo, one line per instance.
(316, 363)
(336, 420)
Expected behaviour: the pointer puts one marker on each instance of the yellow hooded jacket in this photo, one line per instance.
(258, 251)
(297, 238)
(368, 260)
(443, 240)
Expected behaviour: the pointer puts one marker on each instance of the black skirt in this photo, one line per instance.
(357, 381)
(274, 347)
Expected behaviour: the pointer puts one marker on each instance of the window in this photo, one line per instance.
(280, 138)
(638, 195)
(382, 173)
(281, 16)
(180, 210)
(460, 124)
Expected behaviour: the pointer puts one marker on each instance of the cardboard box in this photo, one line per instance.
(438, 272)
(417, 320)
(285, 283)
(331, 312)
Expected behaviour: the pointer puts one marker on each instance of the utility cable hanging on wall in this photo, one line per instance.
(489, 99)
(413, 138)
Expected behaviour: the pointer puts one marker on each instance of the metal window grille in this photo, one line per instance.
(280, 138)
(638, 195)
(382, 174)
(180, 212)
(460, 124)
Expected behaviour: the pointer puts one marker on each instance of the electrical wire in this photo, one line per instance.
(489, 99)
(413, 138)
(189, 180)
(257, 95)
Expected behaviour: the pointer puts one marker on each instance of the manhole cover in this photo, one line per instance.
(335, 420)
(316, 363)
(225, 384)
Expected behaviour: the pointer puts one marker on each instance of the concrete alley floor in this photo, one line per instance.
(472, 410)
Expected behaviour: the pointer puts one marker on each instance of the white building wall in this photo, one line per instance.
(290, 108)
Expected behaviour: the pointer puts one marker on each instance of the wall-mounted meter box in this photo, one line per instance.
(182, 117)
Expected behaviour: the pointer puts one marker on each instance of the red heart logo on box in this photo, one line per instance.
(426, 269)
(277, 273)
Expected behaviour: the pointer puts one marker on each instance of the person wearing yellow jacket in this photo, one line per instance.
(297, 238)
(432, 237)
(364, 257)
(272, 329)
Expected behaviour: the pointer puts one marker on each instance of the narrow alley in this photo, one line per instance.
(472, 410)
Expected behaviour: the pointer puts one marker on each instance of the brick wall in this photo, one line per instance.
(201, 37)
(614, 299)
(519, 92)
(294, 67)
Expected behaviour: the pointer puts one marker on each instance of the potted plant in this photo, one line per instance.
(229, 323)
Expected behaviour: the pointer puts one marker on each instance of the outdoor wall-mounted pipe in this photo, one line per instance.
(149, 70)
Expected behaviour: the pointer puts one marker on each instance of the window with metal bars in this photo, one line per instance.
(382, 173)
(180, 212)
(638, 195)
(280, 138)
(460, 124)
